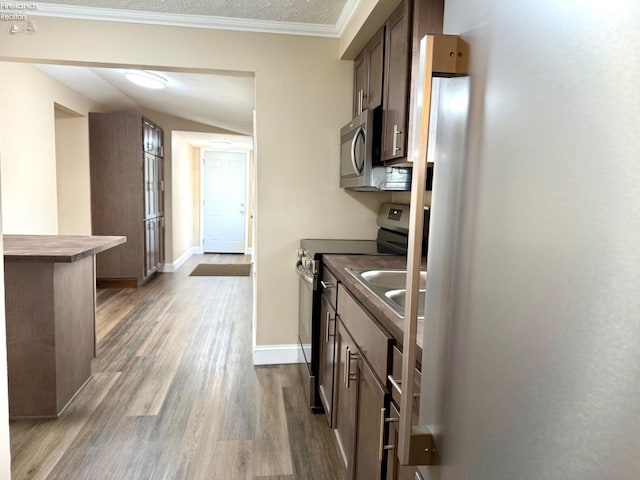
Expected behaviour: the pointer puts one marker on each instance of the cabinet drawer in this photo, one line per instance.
(373, 342)
(329, 287)
(397, 375)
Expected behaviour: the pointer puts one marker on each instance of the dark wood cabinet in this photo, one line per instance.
(385, 71)
(153, 138)
(371, 422)
(127, 195)
(154, 233)
(367, 75)
(327, 343)
(345, 396)
(359, 83)
(153, 186)
(396, 83)
(363, 361)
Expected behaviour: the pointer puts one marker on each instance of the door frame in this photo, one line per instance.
(247, 183)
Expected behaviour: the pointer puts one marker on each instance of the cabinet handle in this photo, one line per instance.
(327, 285)
(395, 384)
(360, 101)
(396, 132)
(348, 376)
(326, 331)
(382, 447)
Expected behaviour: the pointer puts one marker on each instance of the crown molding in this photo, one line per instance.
(349, 9)
(197, 21)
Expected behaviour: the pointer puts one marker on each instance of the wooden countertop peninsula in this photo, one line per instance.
(50, 315)
(56, 248)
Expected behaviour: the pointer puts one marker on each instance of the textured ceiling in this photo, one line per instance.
(323, 12)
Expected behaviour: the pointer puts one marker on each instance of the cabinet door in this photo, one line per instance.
(152, 229)
(345, 396)
(158, 141)
(371, 425)
(375, 62)
(148, 136)
(327, 356)
(150, 201)
(359, 83)
(396, 80)
(158, 185)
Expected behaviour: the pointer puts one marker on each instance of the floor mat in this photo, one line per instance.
(222, 270)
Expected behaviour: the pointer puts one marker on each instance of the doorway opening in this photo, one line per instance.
(226, 203)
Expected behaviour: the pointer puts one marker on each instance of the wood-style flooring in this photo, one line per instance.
(174, 395)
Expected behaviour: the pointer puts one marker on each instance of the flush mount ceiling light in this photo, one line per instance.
(146, 79)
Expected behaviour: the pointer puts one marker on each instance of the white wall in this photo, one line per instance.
(29, 172)
(183, 186)
(543, 359)
(72, 172)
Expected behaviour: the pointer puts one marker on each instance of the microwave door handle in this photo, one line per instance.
(357, 169)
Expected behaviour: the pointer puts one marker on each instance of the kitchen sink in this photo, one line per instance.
(390, 287)
(395, 279)
(399, 298)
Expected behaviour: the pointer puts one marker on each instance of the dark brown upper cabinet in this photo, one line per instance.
(396, 83)
(385, 71)
(367, 75)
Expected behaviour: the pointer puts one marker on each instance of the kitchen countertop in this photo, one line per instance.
(56, 248)
(382, 312)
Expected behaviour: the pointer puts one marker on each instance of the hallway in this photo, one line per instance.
(174, 395)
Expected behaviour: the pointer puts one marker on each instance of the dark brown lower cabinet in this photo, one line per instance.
(371, 425)
(153, 235)
(327, 356)
(360, 411)
(345, 396)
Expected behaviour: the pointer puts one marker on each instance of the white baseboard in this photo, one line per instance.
(172, 267)
(276, 354)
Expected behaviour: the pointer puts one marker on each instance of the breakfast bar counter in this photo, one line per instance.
(50, 315)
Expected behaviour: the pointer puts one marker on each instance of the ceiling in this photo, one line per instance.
(225, 101)
(222, 100)
(322, 12)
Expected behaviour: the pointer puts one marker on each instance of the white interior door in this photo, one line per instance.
(224, 209)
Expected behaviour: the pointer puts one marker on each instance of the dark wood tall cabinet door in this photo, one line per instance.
(375, 69)
(153, 231)
(153, 186)
(327, 356)
(371, 426)
(396, 82)
(345, 396)
(368, 68)
(359, 83)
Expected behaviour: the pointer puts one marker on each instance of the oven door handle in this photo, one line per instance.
(304, 275)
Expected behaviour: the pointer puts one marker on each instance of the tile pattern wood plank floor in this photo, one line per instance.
(174, 395)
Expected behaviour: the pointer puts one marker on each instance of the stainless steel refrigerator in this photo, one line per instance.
(531, 366)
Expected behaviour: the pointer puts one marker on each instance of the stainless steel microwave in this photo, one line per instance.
(360, 166)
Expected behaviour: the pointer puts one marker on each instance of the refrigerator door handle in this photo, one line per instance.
(445, 56)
